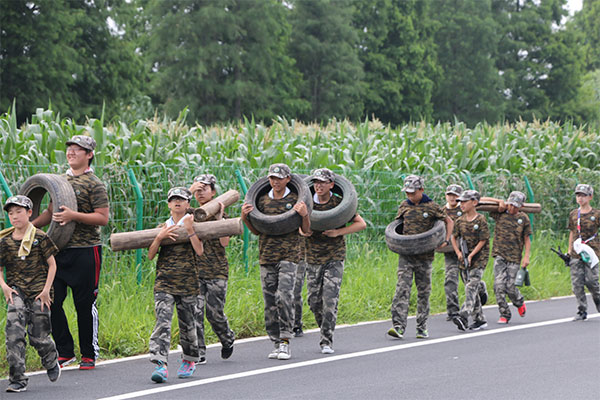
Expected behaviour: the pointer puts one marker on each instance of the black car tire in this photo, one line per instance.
(337, 216)
(409, 245)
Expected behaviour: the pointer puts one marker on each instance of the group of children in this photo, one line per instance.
(192, 276)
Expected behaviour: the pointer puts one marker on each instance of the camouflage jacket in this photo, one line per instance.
(590, 225)
(321, 249)
(474, 232)
(276, 248)
(509, 237)
(212, 264)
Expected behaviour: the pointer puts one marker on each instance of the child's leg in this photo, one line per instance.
(199, 317)
(513, 292)
(160, 341)
(423, 284)
(285, 298)
(314, 290)
(60, 326)
(215, 296)
(451, 284)
(38, 330)
(501, 284)
(269, 281)
(15, 340)
(402, 295)
(187, 326)
(300, 274)
(577, 282)
(475, 281)
(591, 281)
(332, 281)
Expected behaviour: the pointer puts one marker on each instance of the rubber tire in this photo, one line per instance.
(62, 194)
(410, 245)
(279, 224)
(337, 216)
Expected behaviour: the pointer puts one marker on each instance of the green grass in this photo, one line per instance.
(127, 310)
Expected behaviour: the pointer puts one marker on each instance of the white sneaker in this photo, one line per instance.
(326, 350)
(284, 351)
(273, 355)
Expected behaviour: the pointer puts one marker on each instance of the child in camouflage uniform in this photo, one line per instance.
(176, 284)
(473, 229)
(419, 213)
(584, 224)
(452, 210)
(510, 238)
(79, 262)
(213, 271)
(325, 254)
(27, 256)
(278, 258)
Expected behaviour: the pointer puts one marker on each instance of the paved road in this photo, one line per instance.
(542, 356)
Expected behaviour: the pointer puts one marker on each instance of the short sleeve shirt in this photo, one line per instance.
(28, 274)
(590, 225)
(509, 237)
(474, 232)
(177, 270)
(91, 194)
(276, 248)
(321, 249)
(453, 213)
(419, 218)
(212, 264)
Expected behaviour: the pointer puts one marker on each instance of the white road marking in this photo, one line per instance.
(338, 358)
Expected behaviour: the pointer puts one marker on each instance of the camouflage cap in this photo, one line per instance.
(181, 192)
(413, 183)
(18, 200)
(516, 199)
(584, 189)
(279, 171)
(85, 142)
(207, 179)
(454, 189)
(323, 175)
(469, 195)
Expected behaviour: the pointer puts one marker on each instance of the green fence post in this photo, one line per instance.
(531, 197)
(246, 234)
(139, 211)
(8, 193)
(469, 181)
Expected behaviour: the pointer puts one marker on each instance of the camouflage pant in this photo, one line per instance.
(581, 276)
(25, 315)
(278, 291)
(300, 274)
(451, 283)
(160, 341)
(407, 267)
(323, 284)
(212, 297)
(472, 305)
(505, 274)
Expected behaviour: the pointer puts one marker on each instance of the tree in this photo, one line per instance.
(324, 45)
(587, 21)
(467, 40)
(397, 50)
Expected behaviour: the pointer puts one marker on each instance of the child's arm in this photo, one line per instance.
(525, 260)
(357, 225)
(449, 228)
(501, 204)
(44, 218)
(44, 296)
(300, 208)
(8, 291)
(246, 209)
(99, 217)
(476, 250)
(188, 224)
(570, 242)
(164, 232)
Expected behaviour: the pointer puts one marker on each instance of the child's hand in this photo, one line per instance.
(331, 233)
(221, 211)
(196, 186)
(44, 297)
(246, 209)
(301, 209)
(460, 257)
(188, 223)
(167, 232)
(470, 258)
(8, 292)
(525, 262)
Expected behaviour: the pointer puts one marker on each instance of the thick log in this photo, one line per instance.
(204, 230)
(212, 207)
(492, 206)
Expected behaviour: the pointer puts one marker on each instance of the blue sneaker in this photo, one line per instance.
(186, 369)
(160, 373)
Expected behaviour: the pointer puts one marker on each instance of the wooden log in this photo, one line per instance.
(205, 230)
(212, 207)
(492, 206)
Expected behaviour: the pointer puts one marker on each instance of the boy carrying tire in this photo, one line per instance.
(27, 256)
(278, 258)
(452, 209)
(325, 255)
(419, 213)
(213, 271)
(177, 285)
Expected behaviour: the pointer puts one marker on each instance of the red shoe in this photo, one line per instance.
(522, 310)
(87, 363)
(503, 320)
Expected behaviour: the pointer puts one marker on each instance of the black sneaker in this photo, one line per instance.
(16, 387)
(202, 361)
(298, 332)
(478, 325)
(580, 316)
(460, 322)
(54, 373)
(226, 352)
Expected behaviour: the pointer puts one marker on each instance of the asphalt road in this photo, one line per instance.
(542, 356)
